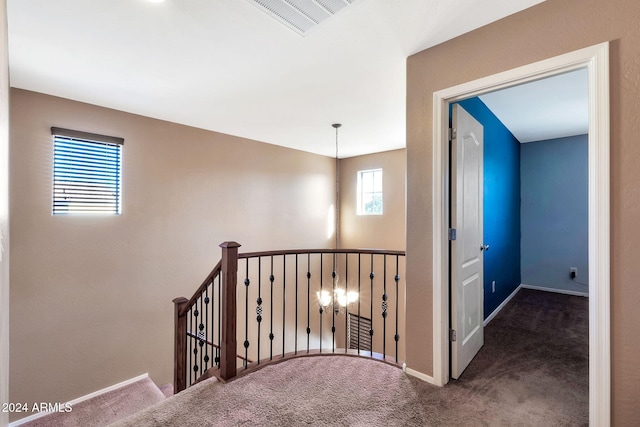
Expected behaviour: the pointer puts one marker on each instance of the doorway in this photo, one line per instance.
(533, 200)
(596, 60)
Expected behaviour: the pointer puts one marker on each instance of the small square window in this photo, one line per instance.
(370, 192)
(86, 173)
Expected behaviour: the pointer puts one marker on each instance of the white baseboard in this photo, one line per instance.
(501, 306)
(419, 375)
(558, 291)
(82, 399)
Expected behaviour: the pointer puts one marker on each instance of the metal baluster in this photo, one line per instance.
(308, 299)
(213, 320)
(219, 320)
(333, 312)
(190, 346)
(259, 302)
(371, 276)
(247, 282)
(188, 380)
(199, 333)
(188, 354)
(196, 313)
(359, 293)
(384, 309)
(396, 336)
(206, 330)
(284, 293)
(295, 345)
(321, 309)
(346, 312)
(271, 336)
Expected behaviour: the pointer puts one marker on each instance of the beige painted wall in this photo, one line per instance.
(91, 296)
(374, 231)
(4, 213)
(548, 29)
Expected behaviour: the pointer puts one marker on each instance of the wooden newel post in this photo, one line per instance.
(229, 282)
(180, 346)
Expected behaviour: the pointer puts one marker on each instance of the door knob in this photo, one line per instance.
(484, 247)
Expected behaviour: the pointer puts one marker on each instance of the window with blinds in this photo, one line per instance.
(86, 173)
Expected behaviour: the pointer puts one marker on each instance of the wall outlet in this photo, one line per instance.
(493, 286)
(573, 272)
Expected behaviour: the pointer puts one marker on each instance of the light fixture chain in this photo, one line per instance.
(337, 214)
(336, 126)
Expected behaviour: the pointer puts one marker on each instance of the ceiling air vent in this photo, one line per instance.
(301, 16)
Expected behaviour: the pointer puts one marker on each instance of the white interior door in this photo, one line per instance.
(468, 248)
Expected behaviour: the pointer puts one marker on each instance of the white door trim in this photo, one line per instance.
(596, 60)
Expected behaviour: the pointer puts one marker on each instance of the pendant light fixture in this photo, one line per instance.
(336, 215)
(339, 299)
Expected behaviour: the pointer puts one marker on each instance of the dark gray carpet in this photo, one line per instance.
(532, 371)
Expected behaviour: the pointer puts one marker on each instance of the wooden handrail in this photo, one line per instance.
(239, 356)
(320, 251)
(216, 270)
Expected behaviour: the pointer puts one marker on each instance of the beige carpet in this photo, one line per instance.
(321, 390)
(106, 408)
(532, 371)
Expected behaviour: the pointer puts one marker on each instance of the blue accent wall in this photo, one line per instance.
(555, 212)
(501, 206)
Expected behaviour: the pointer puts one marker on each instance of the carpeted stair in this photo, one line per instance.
(108, 407)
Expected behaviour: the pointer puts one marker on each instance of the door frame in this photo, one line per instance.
(596, 60)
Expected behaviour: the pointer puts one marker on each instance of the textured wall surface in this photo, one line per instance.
(555, 223)
(4, 214)
(543, 31)
(91, 295)
(501, 206)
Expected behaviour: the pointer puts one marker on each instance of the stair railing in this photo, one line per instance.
(215, 335)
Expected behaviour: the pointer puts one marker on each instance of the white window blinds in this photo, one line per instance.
(86, 172)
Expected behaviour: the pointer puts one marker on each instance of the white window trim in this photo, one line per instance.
(360, 210)
(96, 165)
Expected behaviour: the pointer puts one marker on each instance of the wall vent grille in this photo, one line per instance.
(301, 16)
(363, 325)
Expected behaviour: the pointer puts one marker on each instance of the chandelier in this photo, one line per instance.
(338, 302)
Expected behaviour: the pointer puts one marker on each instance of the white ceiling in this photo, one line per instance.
(224, 65)
(554, 107)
